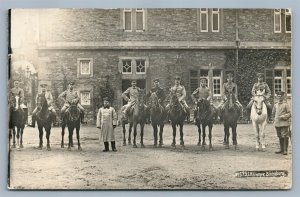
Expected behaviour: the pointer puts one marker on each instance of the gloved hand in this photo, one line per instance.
(114, 126)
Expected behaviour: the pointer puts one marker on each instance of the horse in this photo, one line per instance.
(230, 115)
(205, 115)
(177, 116)
(44, 120)
(259, 117)
(125, 120)
(72, 120)
(158, 115)
(17, 120)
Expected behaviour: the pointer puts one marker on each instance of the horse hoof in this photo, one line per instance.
(173, 144)
(257, 149)
(160, 145)
(13, 146)
(48, 148)
(72, 145)
(226, 146)
(62, 146)
(21, 146)
(263, 149)
(204, 143)
(69, 148)
(142, 146)
(199, 144)
(79, 148)
(155, 146)
(203, 148)
(124, 143)
(236, 147)
(210, 149)
(39, 147)
(129, 143)
(182, 143)
(224, 143)
(134, 146)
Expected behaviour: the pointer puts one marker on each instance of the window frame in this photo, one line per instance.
(137, 11)
(131, 19)
(89, 98)
(285, 17)
(281, 78)
(131, 65)
(136, 66)
(288, 78)
(212, 21)
(280, 20)
(79, 67)
(200, 18)
(221, 82)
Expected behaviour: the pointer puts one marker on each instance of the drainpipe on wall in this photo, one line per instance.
(237, 40)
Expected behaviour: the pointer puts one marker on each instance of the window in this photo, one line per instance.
(126, 67)
(134, 19)
(288, 82)
(277, 20)
(216, 83)
(215, 20)
(140, 67)
(203, 20)
(127, 19)
(194, 82)
(84, 67)
(140, 19)
(288, 21)
(278, 81)
(85, 98)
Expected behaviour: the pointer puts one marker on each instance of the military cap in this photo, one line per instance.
(260, 75)
(229, 75)
(133, 81)
(177, 78)
(156, 80)
(71, 82)
(43, 85)
(280, 93)
(106, 99)
(202, 79)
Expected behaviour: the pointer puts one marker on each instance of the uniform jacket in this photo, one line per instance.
(261, 86)
(17, 91)
(229, 88)
(159, 92)
(69, 95)
(180, 92)
(282, 113)
(201, 93)
(131, 94)
(48, 97)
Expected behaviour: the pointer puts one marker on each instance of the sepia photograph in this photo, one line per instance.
(150, 99)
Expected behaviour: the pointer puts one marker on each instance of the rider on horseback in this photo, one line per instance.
(131, 96)
(230, 88)
(202, 93)
(159, 92)
(47, 94)
(180, 92)
(261, 86)
(16, 90)
(70, 96)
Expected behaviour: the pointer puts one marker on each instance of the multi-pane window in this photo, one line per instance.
(278, 81)
(126, 67)
(85, 67)
(204, 20)
(215, 20)
(85, 98)
(140, 66)
(277, 20)
(288, 20)
(288, 82)
(140, 17)
(216, 83)
(127, 22)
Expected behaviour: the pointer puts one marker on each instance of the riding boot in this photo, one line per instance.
(82, 118)
(33, 118)
(285, 143)
(106, 147)
(113, 146)
(281, 146)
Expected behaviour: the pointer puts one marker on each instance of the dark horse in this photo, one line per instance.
(17, 120)
(136, 116)
(205, 115)
(177, 117)
(44, 120)
(72, 120)
(158, 115)
(230, 115)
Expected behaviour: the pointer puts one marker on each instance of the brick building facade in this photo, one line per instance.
(86, 45)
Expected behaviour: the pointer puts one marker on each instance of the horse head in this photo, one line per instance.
(42, 104)
(153, 100)
(15, 103)
(174, 99)
(258, 103)
(203, 108)
(73, 111)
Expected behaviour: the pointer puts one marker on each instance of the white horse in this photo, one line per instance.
(259, 118)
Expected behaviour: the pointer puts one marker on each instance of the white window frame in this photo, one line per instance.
(206, 77)
(89, 98)
(79, 67)
(124, 22)
(212, 21)
(143, 11)
(288, 12)
(275, 14)
(288, 78)
(131, 64)
(219, 78)
(204, 12)
(136, 66)
(278, 78)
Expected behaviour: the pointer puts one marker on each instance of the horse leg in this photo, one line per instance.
(262, 136)
(124, 134)
(129, 133)
(225, 136)
(234, 134)
(21, 137)
(78, 137)
(18, 136)
(226, 131)
(199, 134)
(256, 130)
(161, 130)
(63, 126)
(70, 138)
(14, 138)
(203, 137)
(181, 134)
(155, 134)
(41, 137)
(142, 135)
(48, 132)
(134, 135)
(210, 136)
(174, 134)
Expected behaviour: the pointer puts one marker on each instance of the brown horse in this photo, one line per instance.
(17, 120)
(158, 115)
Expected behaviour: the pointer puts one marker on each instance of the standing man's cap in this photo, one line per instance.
(71, 82)
(229, 75)
(43, 85)
(105, 99)
(280, 93)
(132, 81)
(177, 78)
(156, 80)
(260, 75)
(202, 79)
